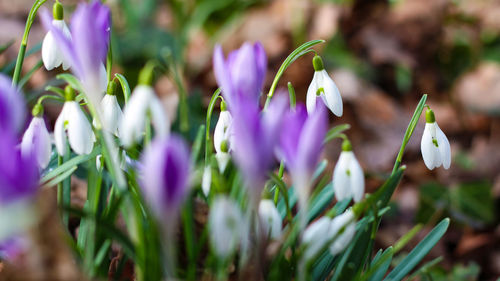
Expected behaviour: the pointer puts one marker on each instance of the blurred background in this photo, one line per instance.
(383, 55)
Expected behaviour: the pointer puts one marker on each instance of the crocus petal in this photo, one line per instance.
(80, 134)
(357, 179)
(12, 108)
(331, 94)
(341, 181)
(428, 148)
(270, 219)
(261, 61)
(311, 93)
(222, 74)
(444, 147)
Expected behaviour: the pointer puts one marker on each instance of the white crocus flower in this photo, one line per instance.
(315, 237)
(142, 102)
(435, 146)
(73, 123)
(111, 114)
(347, 223)
(52, 55)
(226, 226)
(323, 86)
(348, 177)
(222, 138)
(36, 139)
(270, 219)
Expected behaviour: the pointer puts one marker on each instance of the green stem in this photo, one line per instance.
(280, 175)
(210, 109)
(24, 42)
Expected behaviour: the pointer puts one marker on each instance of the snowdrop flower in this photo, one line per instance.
(11, 106)
(323, 86)
(52, 55)
(86, 47)
(222, 137)
(164, 176)
(301, 144)
(73, 124)
(270, 219)
(342, 228)
(206, 180)
(143, 102)
(348, 177)
(316, 236)
(111, 112)
(242, 74)
(434, 145)
(226, 226)
(36, 139)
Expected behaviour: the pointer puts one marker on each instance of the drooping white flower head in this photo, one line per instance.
(223, 137)
(206, 180)
(36, 139)
(226, 226)
(270, 219)
(347, 223)
(52, 56)
(348, 177)
(315, 237)
(111, 112)
(323, 86)
(143, 101)
(434, 145)
(73, 124)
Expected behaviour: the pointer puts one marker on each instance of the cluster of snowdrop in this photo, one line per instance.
(255, 139)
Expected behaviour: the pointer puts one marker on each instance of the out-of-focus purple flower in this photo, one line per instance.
(165, 175)
(242, 74)
(12, 111)
(301, 144)
(18, 173)
(255, 139)
(11, 248)
(88, 46)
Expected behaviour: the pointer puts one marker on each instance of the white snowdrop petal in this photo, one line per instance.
(206, 180)
(311, 93)
(341, 182)
(66, 63)
(50, 57)
(43, 143)
(111, 113)
(331, 96)
(222, 160)
(103, 79)
(222, 128)
(357, 179)
(316, 235)
(444, 147)
(80, 134)
(428, 148)
(27, 141)
(225, 223)
(134, 115)
(270, 219)
(159, 117)
(59, 132)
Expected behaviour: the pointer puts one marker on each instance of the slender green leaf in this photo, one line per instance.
(69, 165)
(72, 81)
(419, 252)
(336, 132)
(61, 177)
(125, 87)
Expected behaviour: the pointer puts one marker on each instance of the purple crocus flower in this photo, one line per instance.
(242, 74)
(165, 175)
(255, 138)
(12, 111)
(18, 172)
(88, 46)
(301, 144)
(11, 248)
